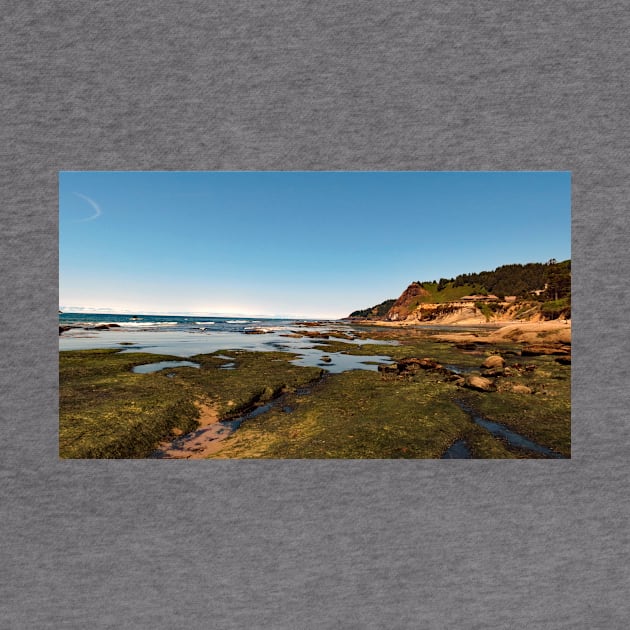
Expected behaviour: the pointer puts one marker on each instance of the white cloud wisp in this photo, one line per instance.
(95, 206)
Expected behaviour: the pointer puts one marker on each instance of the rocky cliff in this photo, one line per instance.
(407, 302)
(529, 292)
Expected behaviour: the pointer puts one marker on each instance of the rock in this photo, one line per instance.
(64, 328)
(313, 334)
(497, 371)
(479, 383)
(521, 389)
(100, 327)
(256, 331)
(494, 361)
(387, 369)
(412, 364)
(565, 360)
(325, 359)
(407, 302)
(451, 377)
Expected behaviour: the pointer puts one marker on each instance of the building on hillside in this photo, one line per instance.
(480, 298)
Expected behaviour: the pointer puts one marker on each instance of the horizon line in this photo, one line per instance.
(80, 310)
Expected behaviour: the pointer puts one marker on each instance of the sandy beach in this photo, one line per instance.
(552, 331)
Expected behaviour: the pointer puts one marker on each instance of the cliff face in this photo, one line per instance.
(407, 302)
(530, 292)
(416, 305)
(448, 313)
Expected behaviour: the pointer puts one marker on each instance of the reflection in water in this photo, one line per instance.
(457, 450)
(147, 368)
(511, 437)
(340, 362)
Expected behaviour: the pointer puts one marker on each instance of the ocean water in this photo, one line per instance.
(186, 336)
(170, 322)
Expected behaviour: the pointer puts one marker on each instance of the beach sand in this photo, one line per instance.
(545, 332)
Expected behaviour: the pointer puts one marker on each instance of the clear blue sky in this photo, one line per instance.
(318, 244)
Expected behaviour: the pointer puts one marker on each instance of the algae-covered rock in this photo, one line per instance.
(412, 364)
(387, 368)
(496, 371)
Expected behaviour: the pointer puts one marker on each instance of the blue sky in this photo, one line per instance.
(313, 244)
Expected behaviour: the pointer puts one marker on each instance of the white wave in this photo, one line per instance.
(143, 324)
(237, 321)
(206, 323)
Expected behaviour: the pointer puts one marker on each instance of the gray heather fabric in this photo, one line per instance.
(314, 85)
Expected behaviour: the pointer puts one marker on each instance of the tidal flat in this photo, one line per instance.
(415, 400)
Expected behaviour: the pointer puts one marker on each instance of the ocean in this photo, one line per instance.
(186, 336)
(172, 322)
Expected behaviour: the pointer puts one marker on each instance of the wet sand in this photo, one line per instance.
(205, 440)
(553, 331)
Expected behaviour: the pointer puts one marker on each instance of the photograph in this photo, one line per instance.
(314, 315)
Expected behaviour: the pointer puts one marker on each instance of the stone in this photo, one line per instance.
(497, 371)
(494, 361)
(479, 383)
(325, 359)
(521, 389)
(565, 360)
(412, 364)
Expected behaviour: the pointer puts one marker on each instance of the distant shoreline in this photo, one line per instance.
(549, 331)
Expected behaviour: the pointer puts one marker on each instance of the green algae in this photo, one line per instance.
(108, 411)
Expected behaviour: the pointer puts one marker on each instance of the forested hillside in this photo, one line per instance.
(546, 284)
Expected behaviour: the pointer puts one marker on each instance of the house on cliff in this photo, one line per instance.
(480, 298)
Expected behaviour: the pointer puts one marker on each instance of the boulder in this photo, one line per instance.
(564, 360)
(325, 359)
(64, 328)
(479, 383)
(494, 361)
(412, 364)
(521, 389)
